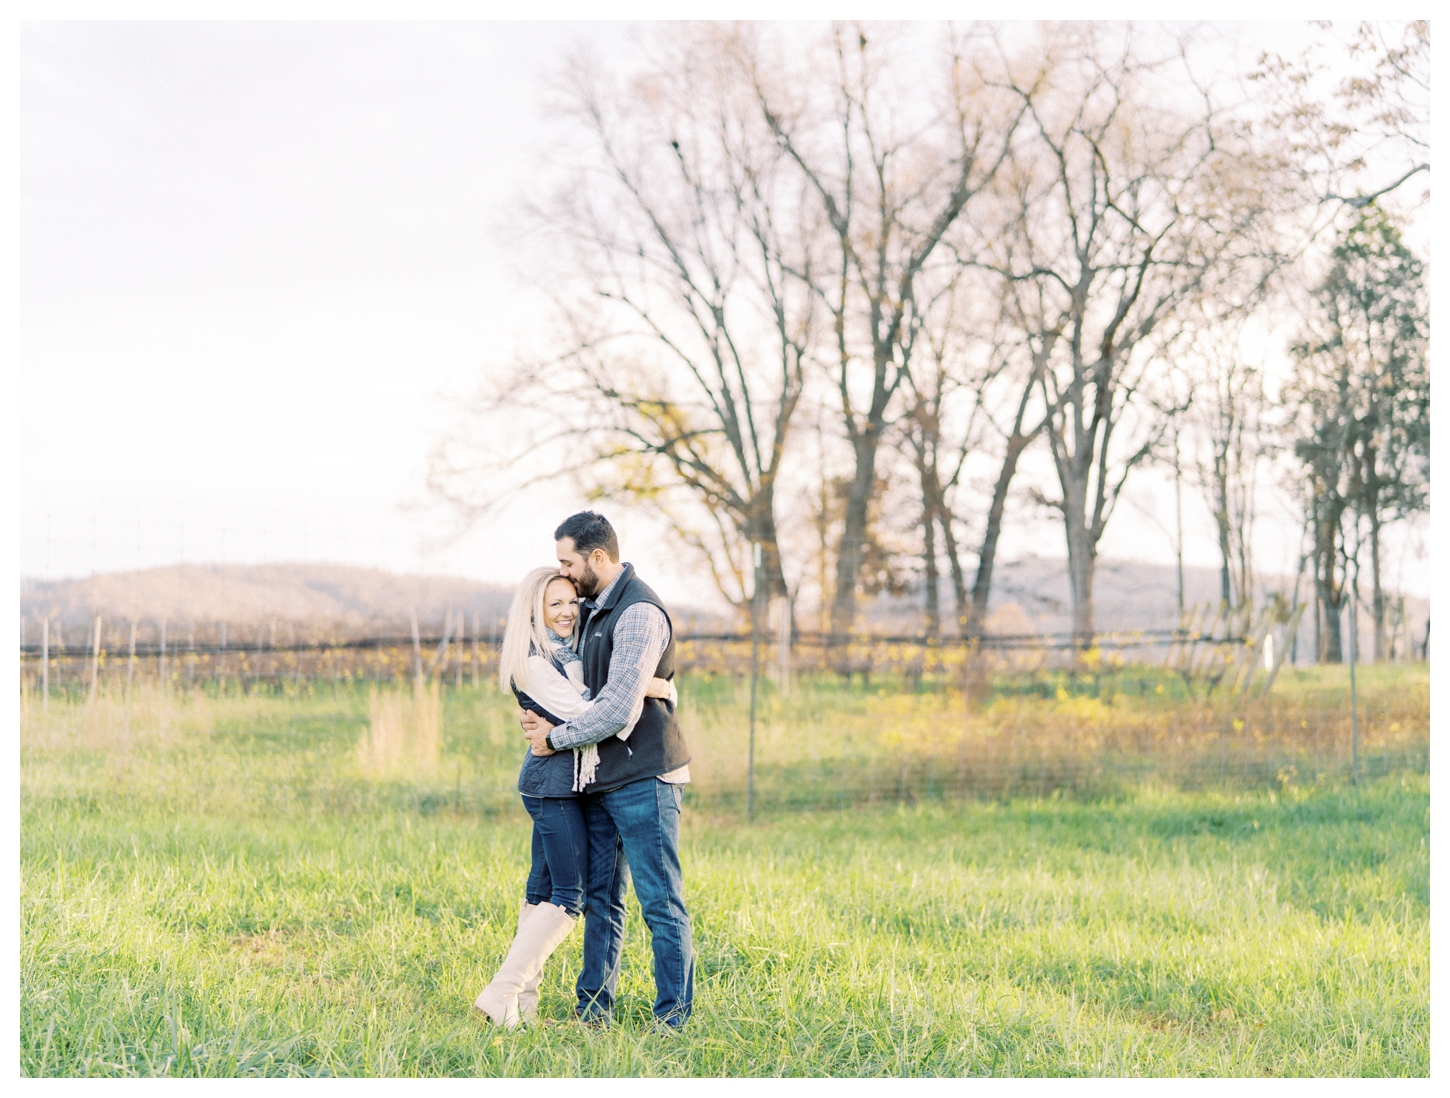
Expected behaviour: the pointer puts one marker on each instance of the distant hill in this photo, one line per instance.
(1030, 595)
(341, 597)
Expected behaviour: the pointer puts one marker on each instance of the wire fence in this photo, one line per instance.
(1204, 653)
(825, 745)
(840, 721)
(71, 665)
(1085, 743)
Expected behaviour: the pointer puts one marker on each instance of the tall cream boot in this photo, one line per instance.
(529, 996)
(538, 936)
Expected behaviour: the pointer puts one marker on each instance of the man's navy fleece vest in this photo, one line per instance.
(656, 746)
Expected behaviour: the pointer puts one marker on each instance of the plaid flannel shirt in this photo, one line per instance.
(641, 635)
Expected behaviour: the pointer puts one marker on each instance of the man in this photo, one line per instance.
(632, 808)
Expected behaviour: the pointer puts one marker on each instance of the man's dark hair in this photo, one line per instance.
(590, 531)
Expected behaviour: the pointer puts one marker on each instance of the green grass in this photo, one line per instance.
(219, 892)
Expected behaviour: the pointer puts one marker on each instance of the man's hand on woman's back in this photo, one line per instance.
(536, 730)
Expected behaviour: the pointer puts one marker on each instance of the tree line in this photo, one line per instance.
(819, 296)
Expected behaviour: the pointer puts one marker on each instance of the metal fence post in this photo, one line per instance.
(1353, 691)
(754, 683)
(45, 666)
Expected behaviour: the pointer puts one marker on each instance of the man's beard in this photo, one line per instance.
(588, 582)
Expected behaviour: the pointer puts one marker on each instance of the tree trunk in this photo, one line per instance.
(1178, 518)
(823, 549)
(1225, 584)
(1082, 537)
(1331, 595)
(933, 595)
(1220, 517)
(987, 558)
(925, 446)
(1081, 563)
(1318, 574)
(934, 502)
(853, 537)
(1333, 634)
(954, 561)
(1379, 592)
(1327, 509)
(769, 539)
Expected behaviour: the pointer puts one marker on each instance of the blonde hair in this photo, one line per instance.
(526, 631)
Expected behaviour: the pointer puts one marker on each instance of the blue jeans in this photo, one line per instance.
(635, 831)
(560, 848)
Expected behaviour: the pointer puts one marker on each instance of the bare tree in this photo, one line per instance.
(1129, 203)
(1227, 418)
(942, 426)
(686, 300)
(921, 437)
(891, 171)
(1355, 108)
(997, 415)
(963, 406)
(1025, 423)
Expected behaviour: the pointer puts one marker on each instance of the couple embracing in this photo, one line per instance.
(589, 652)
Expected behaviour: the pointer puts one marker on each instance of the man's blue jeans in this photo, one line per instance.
(634, 831)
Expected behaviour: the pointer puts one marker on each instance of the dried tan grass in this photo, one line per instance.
(114, 721)
(405, 732)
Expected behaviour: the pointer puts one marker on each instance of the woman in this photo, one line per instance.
(540, 665)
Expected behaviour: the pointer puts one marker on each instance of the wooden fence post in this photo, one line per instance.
(161, 660)
(439, 662)
(1253, 652)
(458, 666)
(261, 640)
(131, 664)
(1291, 630)
(475, 649)
(417, 650)
(45, 666)
(95, 659)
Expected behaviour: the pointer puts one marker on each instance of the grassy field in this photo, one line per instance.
(217, 886)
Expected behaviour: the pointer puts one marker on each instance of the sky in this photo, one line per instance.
(255, 257)
(258, 263)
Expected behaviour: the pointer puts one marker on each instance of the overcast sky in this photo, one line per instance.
(254, 257)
